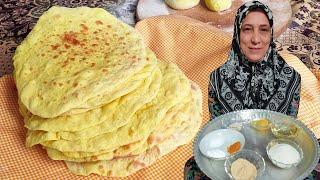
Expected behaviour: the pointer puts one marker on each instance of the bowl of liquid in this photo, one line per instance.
(260, 124)
(284, 153)
(284, 129)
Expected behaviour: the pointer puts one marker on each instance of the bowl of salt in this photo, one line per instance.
(284, 153)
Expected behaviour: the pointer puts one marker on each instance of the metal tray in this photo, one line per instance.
(258, 140)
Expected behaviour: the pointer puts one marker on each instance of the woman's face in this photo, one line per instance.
(255, 36)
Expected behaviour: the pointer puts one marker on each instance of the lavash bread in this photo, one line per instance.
(70, 50)
(93, 95)
(124, 166)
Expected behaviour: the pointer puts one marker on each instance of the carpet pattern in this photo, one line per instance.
(302, 38)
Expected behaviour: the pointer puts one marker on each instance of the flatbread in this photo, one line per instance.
(73, 55)
(112, 119)
(173, 120)
(174, 88)
(126, 166)
(150, 78)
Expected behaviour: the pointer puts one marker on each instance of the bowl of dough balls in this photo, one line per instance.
(245, 164)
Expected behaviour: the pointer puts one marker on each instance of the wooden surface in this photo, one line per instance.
(224, 20)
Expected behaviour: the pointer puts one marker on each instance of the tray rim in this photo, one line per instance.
(296, 120)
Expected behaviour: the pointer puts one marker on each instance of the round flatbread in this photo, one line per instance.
(174, 87)
(125, 166)
(72, 56)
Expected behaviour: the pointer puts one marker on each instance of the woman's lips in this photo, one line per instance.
(255, 49)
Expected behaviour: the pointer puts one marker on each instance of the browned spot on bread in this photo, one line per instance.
(75, 84)
(139, 164)
(88, 51)
(84, 27)
(154, 140)
(54, 47)
(193, 87)
(64, 65)
(75, 94)
(130, 132)
(71, 38)
(157, 149)
(127, 146)
(65, 62)
(66, 46)
(98, 22)
(94, 158)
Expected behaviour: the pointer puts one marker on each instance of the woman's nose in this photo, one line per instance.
(255, 39)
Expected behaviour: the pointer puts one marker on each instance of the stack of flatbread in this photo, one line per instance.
(94, 96)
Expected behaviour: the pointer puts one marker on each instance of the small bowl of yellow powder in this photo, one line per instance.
(245, 164)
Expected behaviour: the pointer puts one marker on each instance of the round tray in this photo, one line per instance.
(258, 140)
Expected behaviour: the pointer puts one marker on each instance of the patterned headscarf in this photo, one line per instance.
(269, 84)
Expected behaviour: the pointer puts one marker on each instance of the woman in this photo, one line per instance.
(255, 76)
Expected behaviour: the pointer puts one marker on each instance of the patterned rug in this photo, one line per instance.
(303, 36)
(17, 18)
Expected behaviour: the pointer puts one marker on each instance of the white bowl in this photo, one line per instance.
(215, 144)
(252, 156)
(278, 161)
